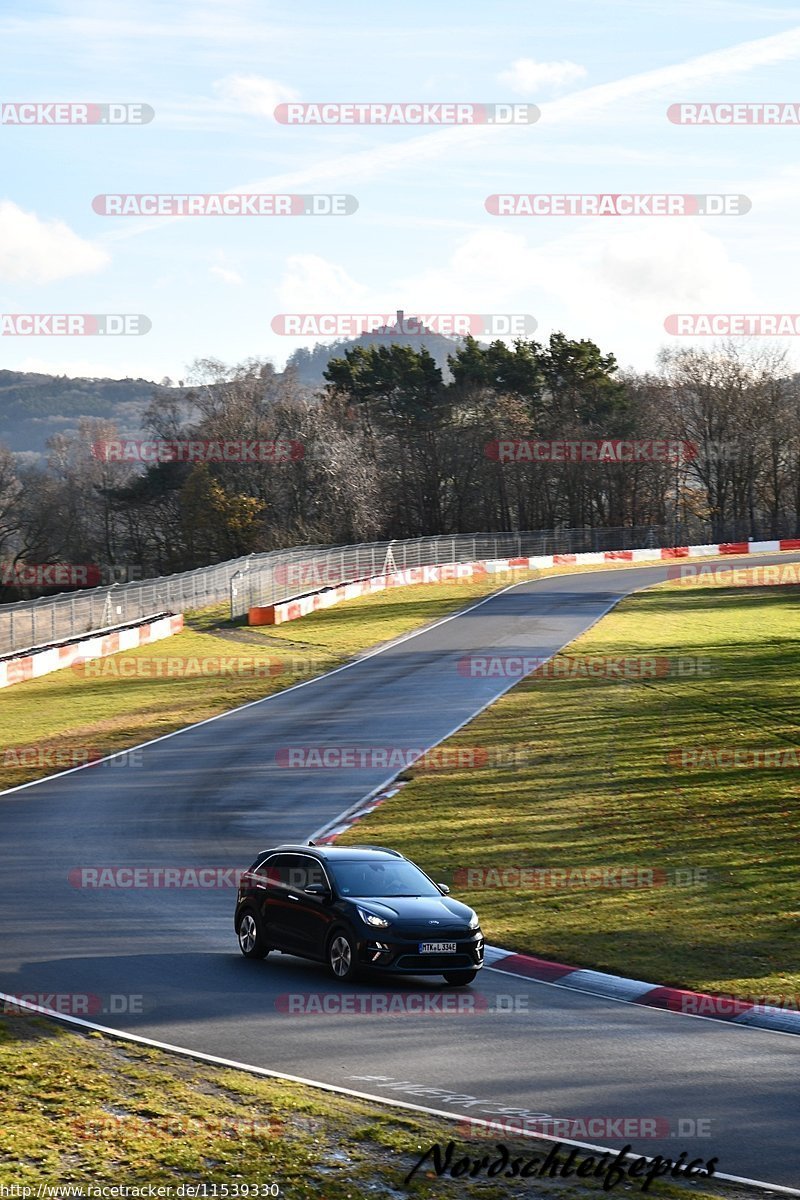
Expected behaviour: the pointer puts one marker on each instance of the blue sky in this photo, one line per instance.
(602, 75)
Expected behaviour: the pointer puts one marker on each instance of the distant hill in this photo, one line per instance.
(309, 365)
(33, 407)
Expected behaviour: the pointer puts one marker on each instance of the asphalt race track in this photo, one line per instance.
(213, 795)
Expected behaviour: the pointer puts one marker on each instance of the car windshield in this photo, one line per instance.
(364, 878)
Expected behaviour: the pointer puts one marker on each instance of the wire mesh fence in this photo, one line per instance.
(263, 579)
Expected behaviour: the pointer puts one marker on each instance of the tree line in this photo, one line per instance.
(390, 448)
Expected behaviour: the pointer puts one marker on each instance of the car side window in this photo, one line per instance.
(305, 870)
(275, 869)
(294, 871)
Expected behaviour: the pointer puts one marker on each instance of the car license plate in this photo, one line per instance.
(437, 947)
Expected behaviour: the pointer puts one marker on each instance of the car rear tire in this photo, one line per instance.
(459, 978)
(342, 957)
(251, 939)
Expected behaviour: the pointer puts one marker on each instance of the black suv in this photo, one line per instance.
(357, 908)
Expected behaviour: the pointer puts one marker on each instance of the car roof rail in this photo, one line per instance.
(384, 849)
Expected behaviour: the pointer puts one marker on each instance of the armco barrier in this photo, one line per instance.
(290, 610)
(278, 575)
(301, 606)
(55, 658)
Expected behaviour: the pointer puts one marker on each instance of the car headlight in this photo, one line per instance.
(372, 919)
(474, 922)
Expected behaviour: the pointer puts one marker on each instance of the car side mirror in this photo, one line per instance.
(444, 889)
(317, 889)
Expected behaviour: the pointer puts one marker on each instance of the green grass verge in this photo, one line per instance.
(105, 712)
(85, 1109)
(597, 789)
(98, 709)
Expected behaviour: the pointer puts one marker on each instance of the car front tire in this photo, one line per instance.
(342, 957)
(459, 978)
(251, 939)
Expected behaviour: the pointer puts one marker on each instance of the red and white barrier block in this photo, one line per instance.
(301, 606)
(55, 658)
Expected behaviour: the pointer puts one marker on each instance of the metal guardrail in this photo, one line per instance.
(262, 579)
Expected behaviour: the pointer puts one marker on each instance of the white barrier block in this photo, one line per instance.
(44, 663)
(128, 639)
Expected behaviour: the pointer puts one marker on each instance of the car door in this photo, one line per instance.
(311, 915)
(273, 878)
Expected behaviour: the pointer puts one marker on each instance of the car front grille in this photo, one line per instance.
(435, 962)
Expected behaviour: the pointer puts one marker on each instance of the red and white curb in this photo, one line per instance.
(598, 983)
(635, 991)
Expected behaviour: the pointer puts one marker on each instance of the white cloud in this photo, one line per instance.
(227, 275)
(254, 93)
(683, 266)
(313, 284)
(527, 77)
(638, 275)
(33, 250)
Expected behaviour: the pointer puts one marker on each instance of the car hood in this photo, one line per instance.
(413, 910)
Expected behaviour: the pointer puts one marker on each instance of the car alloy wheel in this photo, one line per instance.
(342, 958)
(251, 942)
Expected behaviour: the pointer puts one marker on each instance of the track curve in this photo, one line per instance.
(212, 795)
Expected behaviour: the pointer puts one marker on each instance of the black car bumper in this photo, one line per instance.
(402, 955)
